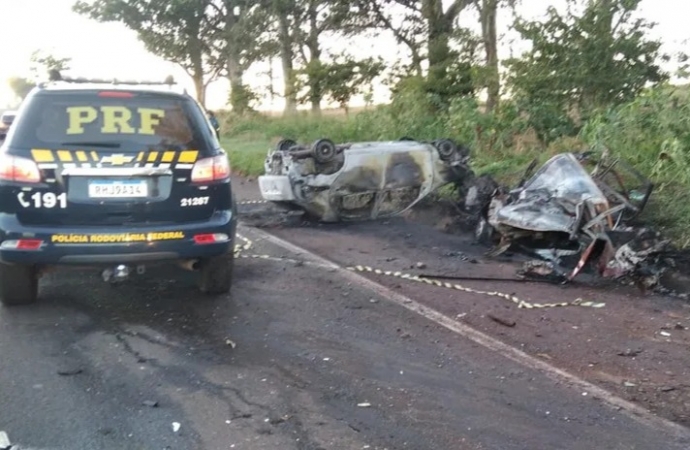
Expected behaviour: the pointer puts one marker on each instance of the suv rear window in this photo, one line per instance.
(128, 122)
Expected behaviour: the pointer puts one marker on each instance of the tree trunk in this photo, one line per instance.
(286, 58)
(493, 83)
(315, 91)
(438, 30)
(238, 97)
(200, 88)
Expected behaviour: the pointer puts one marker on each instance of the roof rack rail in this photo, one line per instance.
(54, 75)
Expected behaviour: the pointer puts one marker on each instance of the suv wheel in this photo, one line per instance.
(215, 275)
(18, 284)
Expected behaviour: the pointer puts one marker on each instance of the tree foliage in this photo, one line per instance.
(582, 62)
(301, 26)
(426, 28)
(172, 29)
(42, 62)
(20, 86)
(341, 79)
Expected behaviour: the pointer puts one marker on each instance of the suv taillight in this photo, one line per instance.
(20, 170)
(216, 168)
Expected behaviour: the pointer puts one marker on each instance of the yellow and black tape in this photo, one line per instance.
(458, 287)
(181, 159)
(239, 249)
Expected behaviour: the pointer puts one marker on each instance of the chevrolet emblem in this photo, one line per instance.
(117, 159)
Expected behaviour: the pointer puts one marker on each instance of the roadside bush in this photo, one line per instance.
(653, 133)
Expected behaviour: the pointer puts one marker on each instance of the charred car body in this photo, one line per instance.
(364, 180)
(563, 212)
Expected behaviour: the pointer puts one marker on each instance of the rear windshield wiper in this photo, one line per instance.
(95, 144)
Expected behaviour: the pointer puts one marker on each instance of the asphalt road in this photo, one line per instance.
(298, 357)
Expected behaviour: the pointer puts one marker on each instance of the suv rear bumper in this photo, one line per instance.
(113, 245)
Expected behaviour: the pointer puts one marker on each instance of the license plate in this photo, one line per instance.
(118, 189)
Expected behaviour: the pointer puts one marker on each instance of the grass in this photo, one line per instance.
(246, 154)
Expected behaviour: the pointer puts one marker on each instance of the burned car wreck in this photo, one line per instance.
(574, 218)
(362, 180)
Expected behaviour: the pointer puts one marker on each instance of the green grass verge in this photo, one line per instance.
(246, 155)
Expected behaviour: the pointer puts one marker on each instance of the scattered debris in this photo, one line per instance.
(569, 217)
(665, 333)
(630, 353)
(505, 322)
(421, 265)
(629, 384)
(176, 427)
(231, 343)
(69, 371)
(364, 405)
(667, 389)
(150, 403)
(360, 181)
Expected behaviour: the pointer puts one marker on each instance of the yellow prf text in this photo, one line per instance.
(115, 238)
(116, 119)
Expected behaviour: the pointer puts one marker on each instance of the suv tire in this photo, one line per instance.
(215, 275)
(18, 285)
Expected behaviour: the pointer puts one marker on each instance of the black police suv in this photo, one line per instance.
(116, 176)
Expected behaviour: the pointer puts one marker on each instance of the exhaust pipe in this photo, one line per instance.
(190, 264)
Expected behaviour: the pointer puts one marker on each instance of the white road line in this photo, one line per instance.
(634, 411)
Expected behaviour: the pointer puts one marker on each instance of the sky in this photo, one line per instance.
(112, 51)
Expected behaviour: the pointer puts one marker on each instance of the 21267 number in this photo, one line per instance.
(194, 201)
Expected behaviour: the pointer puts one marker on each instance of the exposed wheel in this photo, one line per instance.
(215, 274)
(18, 284)
(324, 150)
(445, 147)
(285, 145)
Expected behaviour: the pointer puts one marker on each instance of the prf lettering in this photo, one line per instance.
(116, 119)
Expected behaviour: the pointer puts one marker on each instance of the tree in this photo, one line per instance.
(43, 62)
(239, 35)
(344, 78)
(20, 86)
(176, 30)
(488, 11)
(301, 27)
(426, 28)
(284, 9)
(579, 63)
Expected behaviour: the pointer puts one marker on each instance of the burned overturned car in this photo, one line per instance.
(363, 180)
(566, 215)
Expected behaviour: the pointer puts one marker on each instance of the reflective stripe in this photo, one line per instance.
(41, 155)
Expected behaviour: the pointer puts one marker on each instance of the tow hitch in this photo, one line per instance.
(120, 273)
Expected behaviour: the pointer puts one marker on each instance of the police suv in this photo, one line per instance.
(116, 176)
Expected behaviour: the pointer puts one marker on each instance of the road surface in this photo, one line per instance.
(300, 356)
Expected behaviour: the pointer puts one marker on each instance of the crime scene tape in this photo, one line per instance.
(459, 287)
(522, 304)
